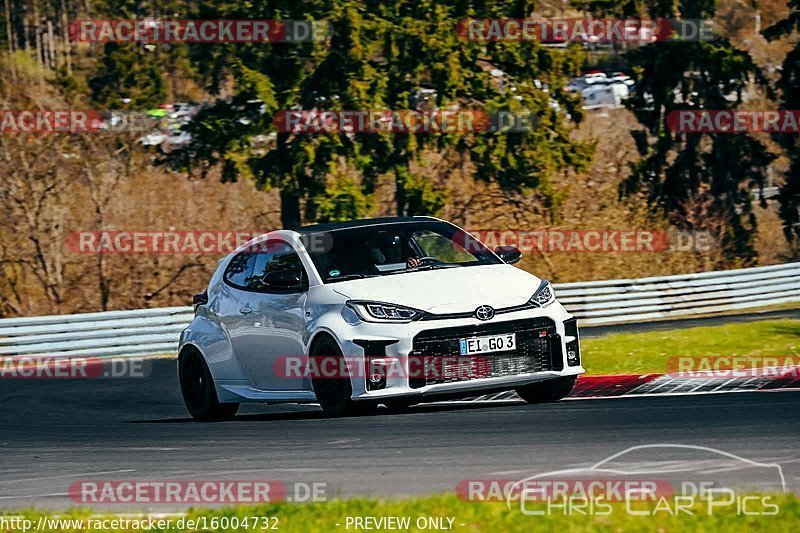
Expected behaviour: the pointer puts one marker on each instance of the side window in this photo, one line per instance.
(240, 269)
(286, 259)
(274, 257)
(256, 281)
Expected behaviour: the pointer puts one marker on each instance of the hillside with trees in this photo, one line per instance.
(578, 169)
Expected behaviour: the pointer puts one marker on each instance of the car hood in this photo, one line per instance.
(446, 290)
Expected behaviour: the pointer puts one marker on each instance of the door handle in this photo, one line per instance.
(245, 310)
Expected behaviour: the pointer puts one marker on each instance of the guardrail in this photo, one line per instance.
(643, 299)
(154, 331)
(139, 332)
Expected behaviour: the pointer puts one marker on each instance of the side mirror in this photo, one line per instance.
(509, 254)
(200, 299)
(282, 279)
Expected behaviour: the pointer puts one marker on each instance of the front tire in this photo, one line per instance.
(199, 392)
(334, 394)
(548, 391)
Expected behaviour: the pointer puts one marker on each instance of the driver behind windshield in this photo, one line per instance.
(387, 249)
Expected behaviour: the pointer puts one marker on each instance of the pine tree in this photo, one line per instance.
(789, 87)
(377, 57)
(700, 180)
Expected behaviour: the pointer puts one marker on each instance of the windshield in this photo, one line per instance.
(395, 248)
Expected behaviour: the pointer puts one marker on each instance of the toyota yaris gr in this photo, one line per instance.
(391, 311)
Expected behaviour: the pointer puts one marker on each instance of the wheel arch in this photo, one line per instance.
(189, 347)
(321, 334)
(357, 383)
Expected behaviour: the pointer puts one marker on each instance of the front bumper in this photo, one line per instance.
(547, 348)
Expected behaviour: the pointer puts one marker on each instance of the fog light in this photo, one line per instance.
(572, 358)
(376, 373)
(375, 361)
(573, 345)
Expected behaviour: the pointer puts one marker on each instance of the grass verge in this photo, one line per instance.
(641, 353)
(475, 517)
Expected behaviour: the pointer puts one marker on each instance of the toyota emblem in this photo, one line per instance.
(484, 312)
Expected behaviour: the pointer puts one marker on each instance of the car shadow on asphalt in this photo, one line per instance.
(318, 415)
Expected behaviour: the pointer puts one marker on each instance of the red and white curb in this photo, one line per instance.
(664, 384)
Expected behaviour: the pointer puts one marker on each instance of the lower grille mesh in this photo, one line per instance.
(437, 351)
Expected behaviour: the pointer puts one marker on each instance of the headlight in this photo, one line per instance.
(381, 312)
(544, 295)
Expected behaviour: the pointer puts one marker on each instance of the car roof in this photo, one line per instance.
(364, 222)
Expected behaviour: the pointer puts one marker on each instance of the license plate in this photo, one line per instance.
(488, 344)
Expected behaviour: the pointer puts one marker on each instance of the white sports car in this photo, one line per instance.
(391, 311)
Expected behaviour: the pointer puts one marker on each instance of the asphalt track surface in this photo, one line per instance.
(56, 432)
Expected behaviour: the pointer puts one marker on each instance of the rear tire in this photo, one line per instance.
(547, 391)
(334, 394)
(199, 392)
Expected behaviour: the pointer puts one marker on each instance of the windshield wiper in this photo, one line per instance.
(347, 277)
(434, 266)
(422, 268)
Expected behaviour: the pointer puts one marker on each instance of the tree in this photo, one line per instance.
(701, 181)
(378, 57)
(789, 87)
(137, 75)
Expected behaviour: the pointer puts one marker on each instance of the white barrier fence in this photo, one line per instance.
(643, 299)
(154, 331)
